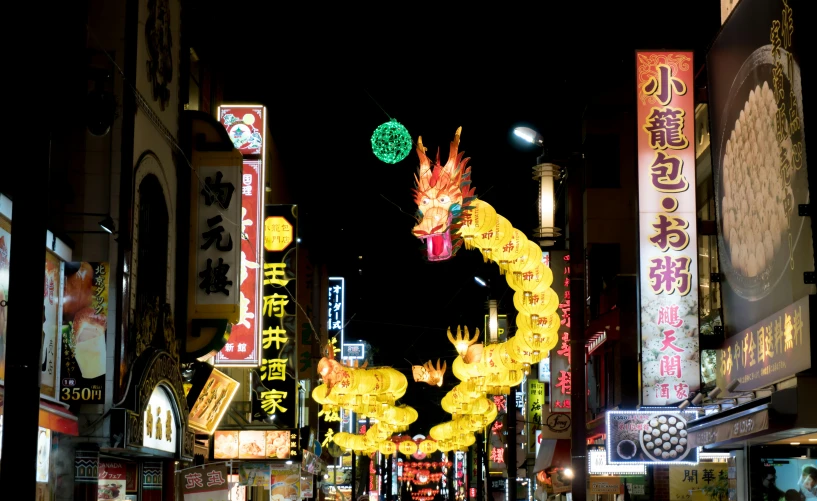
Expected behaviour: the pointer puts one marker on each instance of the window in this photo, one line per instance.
(151, 279)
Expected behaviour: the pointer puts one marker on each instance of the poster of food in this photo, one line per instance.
(84, 329)
(51, 324)
(5, 253)
(254, 474)
(112, 478)
(255, 444)
(307, 490)
(208, 483)
(759, 157)
(285, 483)
(252, 444)
(215, 397)
(650, 437)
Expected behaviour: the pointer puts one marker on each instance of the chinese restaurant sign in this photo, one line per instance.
(654, 436)
(256, 444)
(51, 327)
(686, 482)
(85, 323)
(772, 349)
(560, 355)
(536, 403)
(670, 367)
(160, 420)
(216, 238)
(759, 160)
(246, 126)
(275, 386)
(243, 347)
(336, 309)
(208, 483)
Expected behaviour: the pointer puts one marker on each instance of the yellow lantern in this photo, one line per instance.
(476, 221)
(509, 252)
(428, 446)
(407, 447)
(495, 238)
(540, 304)
(387, 448)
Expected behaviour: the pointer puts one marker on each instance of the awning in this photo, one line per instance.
(54, 416)
(760, 421)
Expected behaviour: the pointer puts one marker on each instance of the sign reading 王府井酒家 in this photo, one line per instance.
(275, 387)
(657, 435)
(243, 347)
(668, 268)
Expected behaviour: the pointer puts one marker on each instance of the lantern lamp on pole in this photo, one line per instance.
(546, 172)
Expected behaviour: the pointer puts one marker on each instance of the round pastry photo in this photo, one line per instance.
(757, 186)
(664, 438)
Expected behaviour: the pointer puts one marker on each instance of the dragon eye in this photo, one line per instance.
(426, 201)
(444, 199)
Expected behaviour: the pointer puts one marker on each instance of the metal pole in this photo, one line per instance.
(388, 478)
(487, 468)
(578, 390)
(510, 462)
(452, 478)
(354, 477)
(478, 467)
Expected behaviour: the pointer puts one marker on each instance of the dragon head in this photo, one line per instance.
(442, 193)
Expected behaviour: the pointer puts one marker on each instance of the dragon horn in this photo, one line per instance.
(459, 333)
(451, 338)
(425, 163)
(452, 162)
(445, 366)
(475, 338)
(467, 337)
(365, 364)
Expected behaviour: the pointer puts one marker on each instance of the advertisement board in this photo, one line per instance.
(650, 436)
(212, 403)
(208, 483)
(256, 444)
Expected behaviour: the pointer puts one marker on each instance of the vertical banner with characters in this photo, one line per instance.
(84, 328)
(51, 324)
(275, 385)
(206, 484)
(112, 480)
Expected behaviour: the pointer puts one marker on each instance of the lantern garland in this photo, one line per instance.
(369, 393)
(450, 216)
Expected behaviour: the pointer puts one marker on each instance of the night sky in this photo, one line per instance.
(329, 78)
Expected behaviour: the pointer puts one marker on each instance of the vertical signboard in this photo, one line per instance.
(536, 403)
(668, 266)
(759, 162)
(84, 330)
(215, 240)
(246, 125)
(243, 347)
(560, 354)
(336, 309)
(275, 387)
(52, 291)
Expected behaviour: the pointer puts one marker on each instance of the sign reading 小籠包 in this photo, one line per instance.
(275, 387)
(650, 436)
(560, 379)
(773, 349)
(670, 368)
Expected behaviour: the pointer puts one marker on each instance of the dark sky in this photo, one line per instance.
(324, 77)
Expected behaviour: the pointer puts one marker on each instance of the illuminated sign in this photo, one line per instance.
(650, 436)
(212, 402)
(353, 351)
(336, 308)
(246, 126)
(256, 444)
(665, 111)
(43, 454)
(160, 420)
(560, 375)
(597, 465)
(278, 233)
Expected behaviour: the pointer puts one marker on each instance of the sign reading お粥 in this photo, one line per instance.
(667, 227)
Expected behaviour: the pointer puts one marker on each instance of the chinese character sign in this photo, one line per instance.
(218, 237)
(242, 348)
(275, 384)
(560, 354)
(336, 308)
(773, 349)
(536, 403)
(667, 227)
(51, 324)
(207, 483)
(83, 360)
(686, 482)
(759, 160)
(246, 126)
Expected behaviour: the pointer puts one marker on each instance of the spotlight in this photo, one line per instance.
(568, 473)
(108, 225)
(733, 386)
(698, 399)
(480, 281)
(683, 405)
(714, 393)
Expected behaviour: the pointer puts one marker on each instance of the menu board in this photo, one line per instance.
(256, 444)
(650, 436)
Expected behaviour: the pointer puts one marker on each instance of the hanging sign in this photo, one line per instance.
(246, 126)
(256, 444)
(212, 403)
(650, 437)
(208, 483)
(665, 110)
(560, 379)
(275, 385)
(84, 354)
(111, 480)
(52, 292)
(336, 309)
(285, 483)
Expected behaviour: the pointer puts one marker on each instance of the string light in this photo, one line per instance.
(391, 142)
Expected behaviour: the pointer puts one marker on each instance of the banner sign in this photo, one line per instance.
(773, 349)
(246, 126)
(83, 361)
(730, 430)
(650, 437)
(536, 402)
(336, 309)
(243, 346)
(560, 355)
(208, 483)
(665, 110)
(275, 387)
(112, 480)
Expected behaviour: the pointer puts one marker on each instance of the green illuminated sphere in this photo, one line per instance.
(391, 142)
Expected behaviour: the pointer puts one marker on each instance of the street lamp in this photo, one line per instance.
(481, 281)
(493, 321)
(546, 173)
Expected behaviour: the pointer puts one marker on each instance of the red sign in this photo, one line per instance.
(245, 125)
(560, 377)
(208, 479)
(242, 349)
(112, 479)
(667, 221)
(472, 492)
